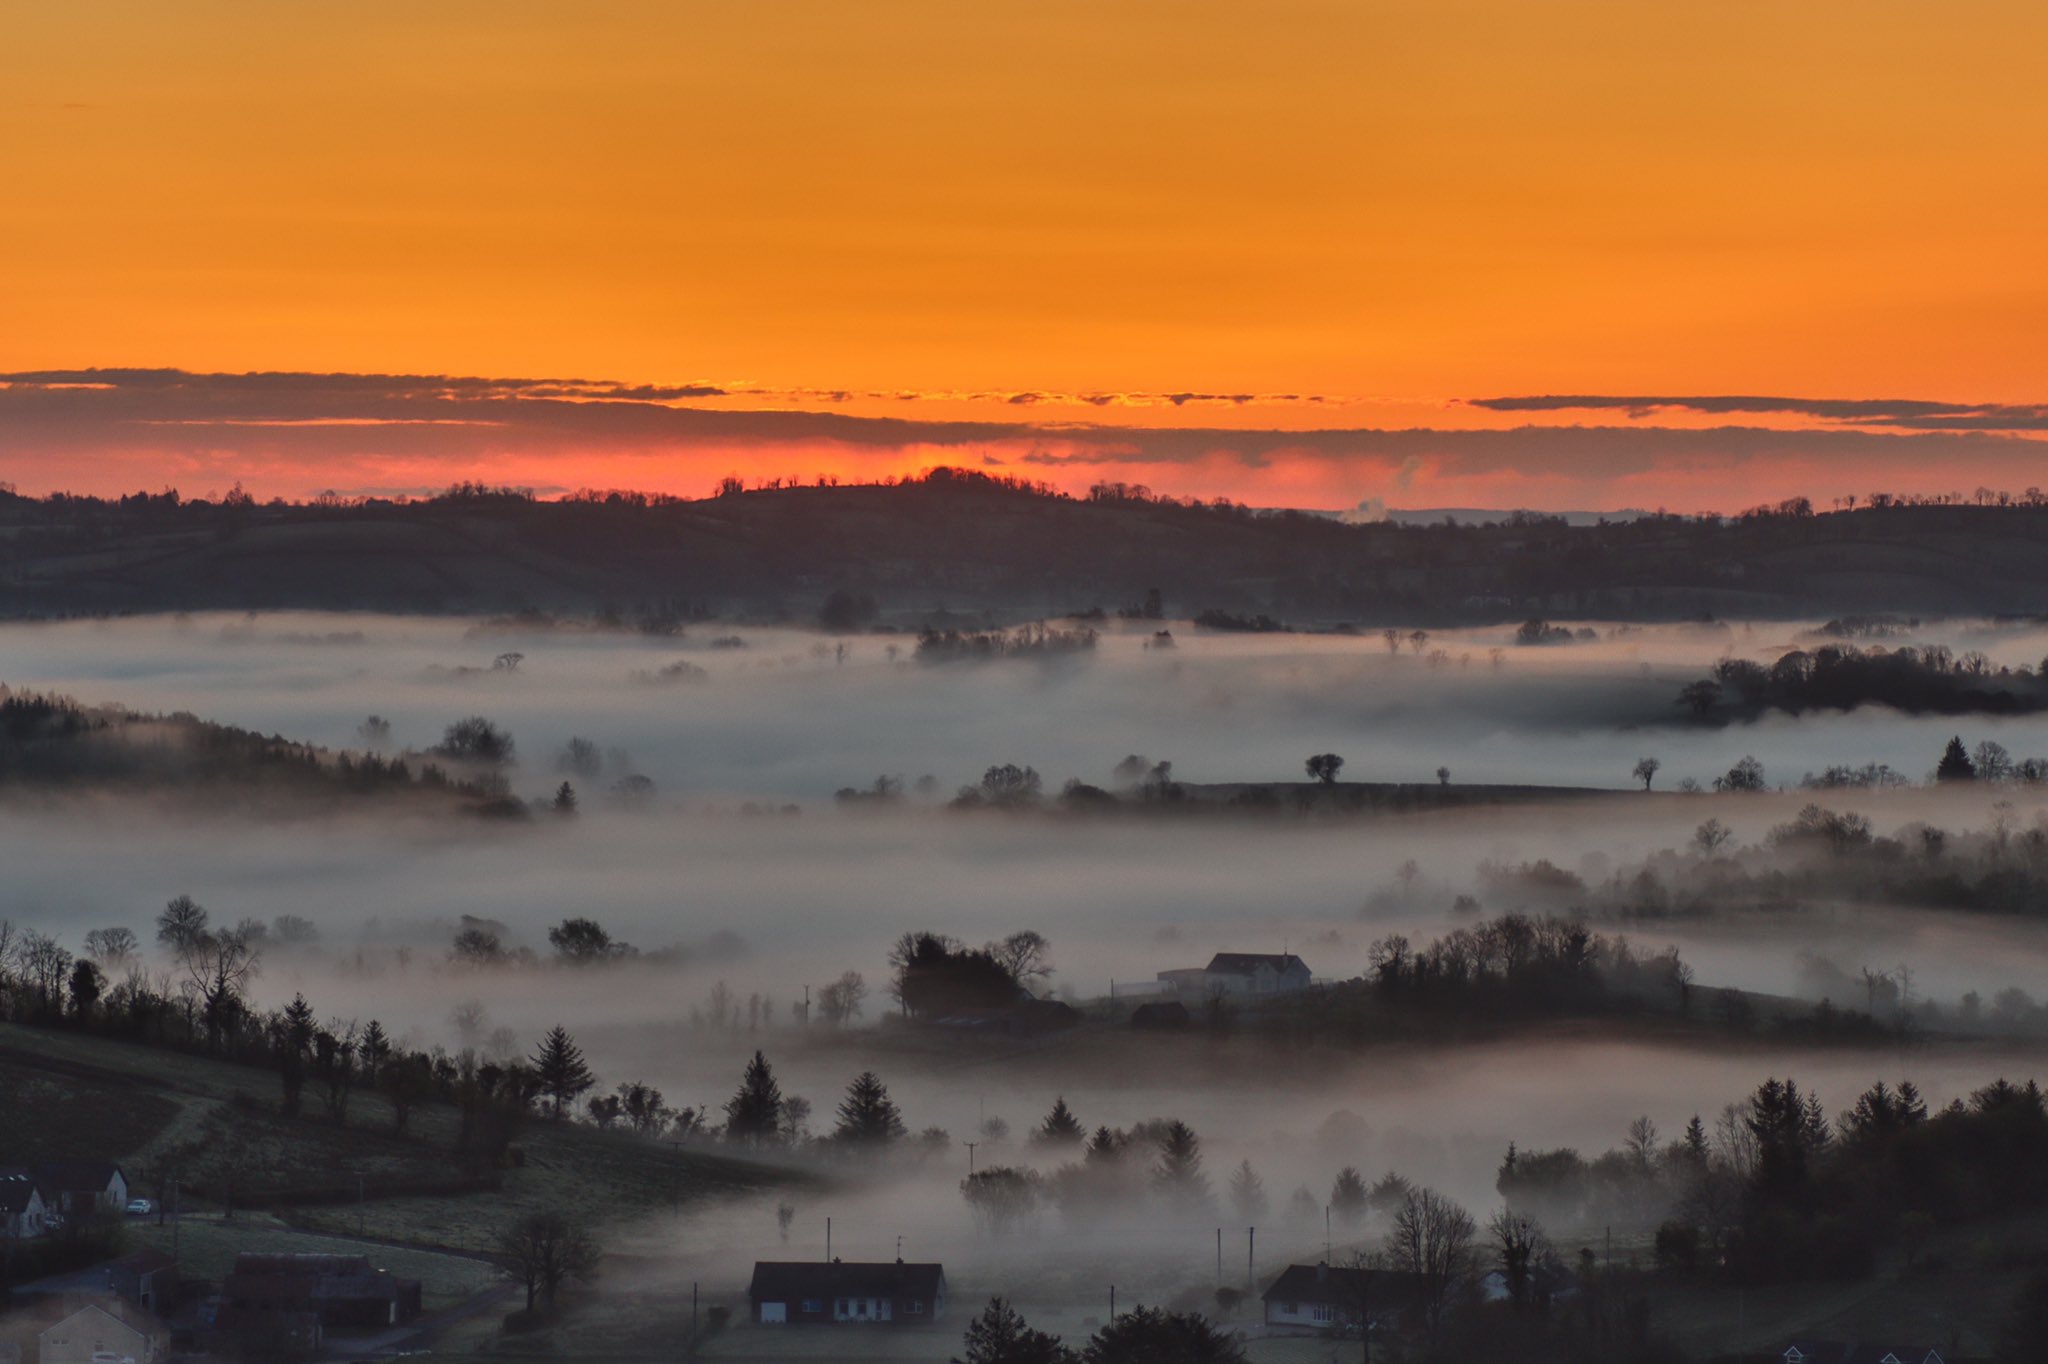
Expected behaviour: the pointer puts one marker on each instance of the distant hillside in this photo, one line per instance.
(53, 744)
(965, 543)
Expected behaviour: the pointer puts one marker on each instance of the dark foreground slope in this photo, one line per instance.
(966, 543)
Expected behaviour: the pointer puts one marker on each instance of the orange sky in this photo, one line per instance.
(1394, 207)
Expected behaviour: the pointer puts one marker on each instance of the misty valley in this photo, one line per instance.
(1603, 986)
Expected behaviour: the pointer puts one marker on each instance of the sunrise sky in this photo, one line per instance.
(1477, 254)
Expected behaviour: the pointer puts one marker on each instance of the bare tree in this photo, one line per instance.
(1432, 1237)
(1026, 955)
(1645, 770)
(1520, 1246)
(840, 1001)
(219, 966)
(546, 1249)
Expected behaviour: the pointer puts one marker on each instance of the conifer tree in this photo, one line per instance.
(867, 1116)
(1179, 1172)
(1247, 1192)
(1000, 1336)
(562, 1073)
(1061, 1127)
(753, 1115)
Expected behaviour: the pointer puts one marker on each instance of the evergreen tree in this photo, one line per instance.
(867, 1116)
(1179, 1172)
(1247, 1192)
(1694, 1142)
(1152, 1336)
(753, 1115)
(563, 1075)
(374, 1051)
(565, 799)
(1347, 1194)
(1955, 764)
(293, 1036)
(1061, 1127)
(1000, 1336)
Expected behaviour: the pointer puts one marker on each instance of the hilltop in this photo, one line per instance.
(965, 542)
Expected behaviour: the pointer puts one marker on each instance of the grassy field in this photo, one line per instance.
(207, 1247)
(92, 1096)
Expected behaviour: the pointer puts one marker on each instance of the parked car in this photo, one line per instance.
(141, 1207)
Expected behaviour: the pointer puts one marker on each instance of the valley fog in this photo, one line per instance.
(761, 886)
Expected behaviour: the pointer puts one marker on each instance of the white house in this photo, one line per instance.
(1240, 973)
(97, 1333)
(23, 1214)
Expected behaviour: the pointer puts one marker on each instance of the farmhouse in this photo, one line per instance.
(815, 1291)
(1330, 1299)
(81, 1187)
(23, 1215)
(1240, 973)
(108, 1330)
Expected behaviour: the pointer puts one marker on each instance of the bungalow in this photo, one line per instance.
(80, 1188)
(23, 1214)
(1241, 973)
(1849, 1352)
(102, 1331)
(1335, 1299)
(815, 1291)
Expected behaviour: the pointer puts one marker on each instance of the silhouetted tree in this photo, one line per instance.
(1432, 1238)
(564, 802)
(1247, 1192)
(868, 1118)
(840, 1002)
(1347, 1195)
(583, 942)
(753, 1116)
(545, 1250)
(1061, 1127)
(1179, 1172)
(1646, 771)
(561, 1069)
(1000, 1336)
(1747, 775)
(1323, 767)
(1151, 1335)
(477, 740)
(181, 924)
(1955, 764)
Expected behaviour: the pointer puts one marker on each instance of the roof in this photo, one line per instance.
(1855, 1352)
(1248, 963)
(782, 1279)
(253, 1262)
(17, 1190)
(78, 1176)
(1339, 1286)
(132, 1317)
(145, 1261)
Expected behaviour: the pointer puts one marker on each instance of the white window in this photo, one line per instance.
(1323, 1312)
(914, 1308)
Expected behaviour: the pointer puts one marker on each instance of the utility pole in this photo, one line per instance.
(828, 1240)
(1251, 1268)
(1326, 1233)
(1219, 1257)
(970, 1145)
(899, 1249)
(1112, 1304)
